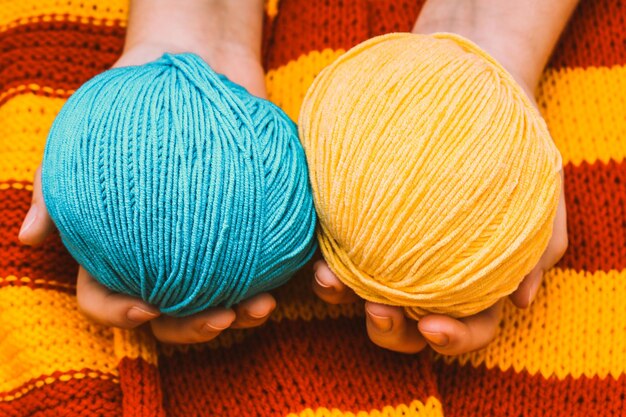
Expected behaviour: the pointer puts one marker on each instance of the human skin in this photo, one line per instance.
(521, 35)
(227, 35)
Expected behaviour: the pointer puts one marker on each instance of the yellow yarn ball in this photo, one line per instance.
(435, 178)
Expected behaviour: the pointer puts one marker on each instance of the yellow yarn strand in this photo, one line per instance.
(434, 176)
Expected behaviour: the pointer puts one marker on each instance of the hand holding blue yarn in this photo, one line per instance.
(168, 182)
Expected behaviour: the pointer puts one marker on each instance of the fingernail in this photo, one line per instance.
(219, 322)
(322, 283)
(255, 316)
(139, 315)
(30, 218)
(383, 324)
(438, 339)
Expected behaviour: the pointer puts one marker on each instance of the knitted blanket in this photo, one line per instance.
(565, 356)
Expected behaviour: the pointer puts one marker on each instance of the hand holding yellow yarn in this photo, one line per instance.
(435, 179)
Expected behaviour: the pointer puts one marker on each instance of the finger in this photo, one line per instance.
(198, 328)
(254, 311)
(559, 240)
(106, 307)
(525, 293)
(523, 296)
(329, 288)
(388, 328)
(37, 224)
(450, 336)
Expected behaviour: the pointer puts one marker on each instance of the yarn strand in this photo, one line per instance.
(434, 177)
(171, 183)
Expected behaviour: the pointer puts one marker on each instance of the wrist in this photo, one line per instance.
(237, 62)
(225, 34)
(214, 53)
(489, 29)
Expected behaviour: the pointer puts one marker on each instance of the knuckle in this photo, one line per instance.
(93, 315)
(90, 310)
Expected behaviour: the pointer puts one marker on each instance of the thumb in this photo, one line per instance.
(37, 224)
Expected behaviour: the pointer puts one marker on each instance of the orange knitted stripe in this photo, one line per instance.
(287, 366)
(64, 394)
(55, 377)
(469, 391)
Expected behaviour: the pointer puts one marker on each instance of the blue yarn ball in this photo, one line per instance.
(170, 183)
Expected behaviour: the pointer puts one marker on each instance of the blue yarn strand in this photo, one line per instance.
(170, 183)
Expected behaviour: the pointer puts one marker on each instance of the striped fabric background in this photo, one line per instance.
(565, 356)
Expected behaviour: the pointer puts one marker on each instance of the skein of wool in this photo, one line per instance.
(435, 179)
(171, 183)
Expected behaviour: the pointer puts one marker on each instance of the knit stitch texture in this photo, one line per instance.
(565, 356)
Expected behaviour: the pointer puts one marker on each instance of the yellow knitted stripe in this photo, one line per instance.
(287, 85)
(431, 408)
(47, 380)
(296, 302)
(15, 186)
(14, 13)
(43, 332)
(35, 88)
(576, 326)
(11, 279)
(586, 120)
(24, 123)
